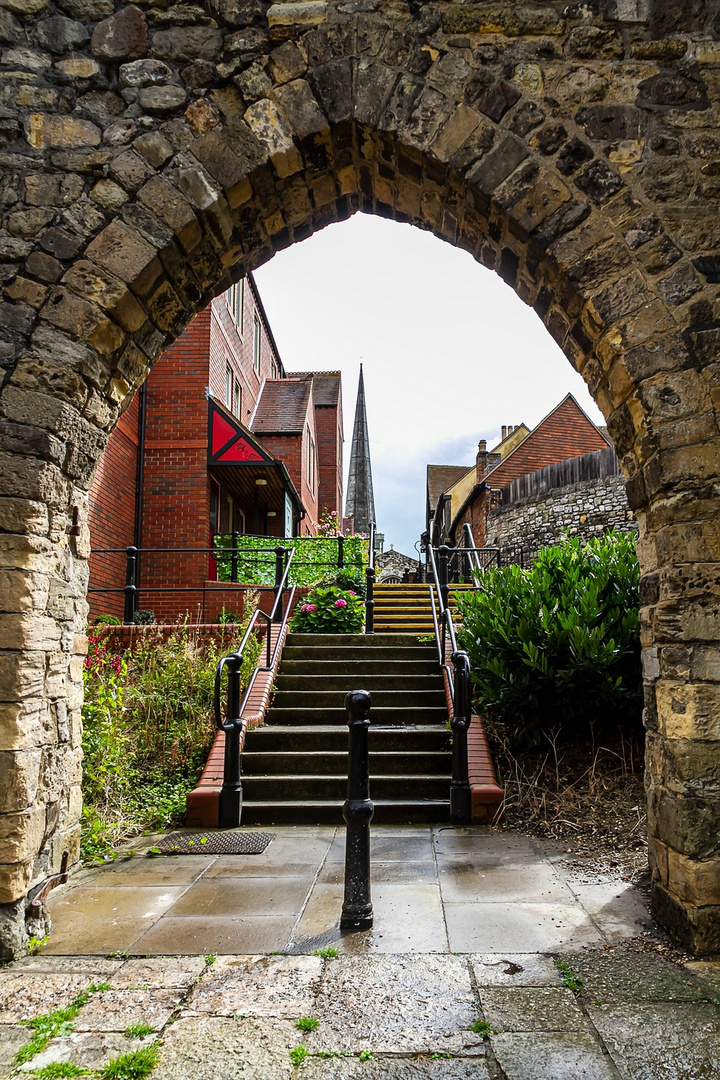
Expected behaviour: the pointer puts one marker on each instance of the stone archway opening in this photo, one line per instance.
(196, 149)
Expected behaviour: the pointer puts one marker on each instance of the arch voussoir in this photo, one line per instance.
(151, 161)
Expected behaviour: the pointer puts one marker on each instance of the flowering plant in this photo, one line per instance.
(329, 609)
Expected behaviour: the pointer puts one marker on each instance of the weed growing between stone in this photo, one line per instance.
(568, 977)
(307, 1023)
(327, 954)
(139, 1031)
(147, 729)
(132, 1066)
(57, 1070)
(50, 1025)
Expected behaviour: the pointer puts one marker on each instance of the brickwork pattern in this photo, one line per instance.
(153, 155)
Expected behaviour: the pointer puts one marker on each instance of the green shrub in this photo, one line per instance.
(147, 729)
(107, 620)
(144, 617)
(315, 559)
(557, 645)
(349, 577)
(329, 610)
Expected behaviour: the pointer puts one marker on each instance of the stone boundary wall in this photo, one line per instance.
(586, 509)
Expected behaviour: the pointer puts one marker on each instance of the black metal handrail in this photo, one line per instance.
(459, 683)
(235, 724)
(370, 583)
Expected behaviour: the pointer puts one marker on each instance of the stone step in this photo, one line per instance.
(321, 653)
(373, 683)
(329, 812)
(381, 699)
(335, 763)
(357, 669)
(394, 717)
(295, 787)
(291, 738)
(359, 641)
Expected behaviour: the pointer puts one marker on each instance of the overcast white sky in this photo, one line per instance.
(448, 350)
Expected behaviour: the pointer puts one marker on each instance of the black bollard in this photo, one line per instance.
(230, 802)
(357, 912)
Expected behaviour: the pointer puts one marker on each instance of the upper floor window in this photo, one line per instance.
(237, 399)
(256, 345)
(235, 296)
(309, 459)
(228, 386)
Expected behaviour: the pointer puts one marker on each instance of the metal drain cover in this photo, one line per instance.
(227, 842)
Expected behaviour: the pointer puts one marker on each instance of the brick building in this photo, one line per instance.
(219, 439)
(467, 495)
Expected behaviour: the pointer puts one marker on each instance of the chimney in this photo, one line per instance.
(484, 460)
(504, 432)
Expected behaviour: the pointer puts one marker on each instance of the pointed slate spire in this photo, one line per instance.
(360, 502)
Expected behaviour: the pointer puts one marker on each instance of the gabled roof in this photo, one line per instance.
(440, 478)
(326, 385)
(566, 432)
(283, 406)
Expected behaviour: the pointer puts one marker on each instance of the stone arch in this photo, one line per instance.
(153, 156)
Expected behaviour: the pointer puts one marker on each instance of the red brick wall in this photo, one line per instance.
(290, 449)
(112, 512)
(329, 449)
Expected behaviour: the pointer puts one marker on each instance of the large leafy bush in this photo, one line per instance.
(558, 645)
(316, 557)
(329, 610)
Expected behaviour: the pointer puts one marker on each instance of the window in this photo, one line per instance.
(234, 297)
(309, 459)
(256, 345)
(237, 399)
(228, 386)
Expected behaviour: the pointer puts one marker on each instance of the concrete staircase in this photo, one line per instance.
(295, 766)
(406, 609)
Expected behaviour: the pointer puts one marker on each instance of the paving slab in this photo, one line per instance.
(88, 1050)
(392, 1068)
(158, 870)
(415, 873)
(536, 1008)
(159, 973)
(708, 971)
(525, 927)
(616, 976)
(216, 934)
(117, 1010)
(102, 919)
(390, 846)
(24, 996)
(216, 1048)
(264, 896)
(393, 1004)
(280, 986)
(659, 1041)
(515, 969)
(95, 968)
(12, 1037)
(570, 1055)
(463, 881)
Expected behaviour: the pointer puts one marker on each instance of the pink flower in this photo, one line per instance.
(310, 608)
(340, 603)
(352, 593)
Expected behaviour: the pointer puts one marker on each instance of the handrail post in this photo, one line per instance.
(341, 552)
(369, 600)
(131, 554)
(357, 912)
(460, 795)
(230, 802)
(234, 559)
(279, 568)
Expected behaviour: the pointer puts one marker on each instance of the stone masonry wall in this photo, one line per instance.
(584, 510)
(152, 154)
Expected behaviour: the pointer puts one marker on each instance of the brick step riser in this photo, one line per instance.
(335, 763)
(330, 813)
(329, 739)
(390, 717)
(381, 699)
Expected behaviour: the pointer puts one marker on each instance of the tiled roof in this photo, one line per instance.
(565, 433)
(440, 478)
(283, 406)
(326, 385)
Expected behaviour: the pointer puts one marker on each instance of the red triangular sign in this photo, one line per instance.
(241, 451)
(222, 431)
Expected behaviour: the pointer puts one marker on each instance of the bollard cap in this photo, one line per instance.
(357, 704)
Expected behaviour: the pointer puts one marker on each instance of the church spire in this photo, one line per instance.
(360, 503)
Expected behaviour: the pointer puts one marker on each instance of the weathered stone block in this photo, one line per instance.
(19, 779)
(99, 286)
(46, 132)
(273, 131)
(15, 881)
(297, 101)
(283, 19)
(187, 43)
(121, 37)
(162, 100)
(59, 34)
(69, 312)
(173, 209)
(126, 256)
(489, 173)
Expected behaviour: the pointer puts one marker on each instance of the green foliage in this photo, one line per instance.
(350, 577)
(481, 1027)
(307, 1023)
(107, 620)
(329, 610)
(58, 1070)
(327, 954)
(50, 1025)
(298, 1054)
(139, 1031)
(35, 944)
(568, 977)
(225, 617)
(145, 617)
(365, 1055)
(135, 1065)
(316, 557)
(557, 645)
(147, 728)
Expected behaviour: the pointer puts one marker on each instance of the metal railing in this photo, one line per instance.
(235, 723)
(370, 584)
(459, 683)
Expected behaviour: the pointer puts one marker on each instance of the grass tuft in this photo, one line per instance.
(307, 1023)
(50, 1025)
(568, 977)
(298, 1054)
(58, 1070)
(327, 954)
(132, 1066)
(139, 1031)
(481, 1027)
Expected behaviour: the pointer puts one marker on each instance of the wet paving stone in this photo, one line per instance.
(87, 1050)
(116, 1010)
(393, 1068)
(215, 1048)
(279, 986)
(552, 1056)
(393, 1004)
(618, 976)
(159, 972)
(515, 969)
(678, 1040)
(23, 997)
(537, 1008)
(12, 1037)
